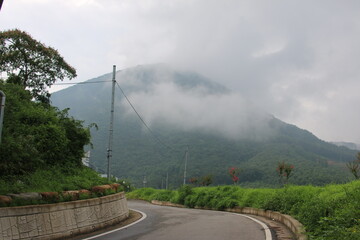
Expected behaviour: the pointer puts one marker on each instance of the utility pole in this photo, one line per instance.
(109, 150)
(144, 182)
(186, 159)
(167, 181)
(1, 2)
(2, 106)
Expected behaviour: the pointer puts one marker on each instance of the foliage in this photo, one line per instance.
(328, 213)
(36, 135)
(284, 171)
(125, 185)
(206, 180)
(234, 173)
(31, 64)
(184, 191)
(201, 181)
(354, 166)
(194, 181)
(52, 179)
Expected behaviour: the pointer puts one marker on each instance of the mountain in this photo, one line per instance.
(349, 145)
(184, 109)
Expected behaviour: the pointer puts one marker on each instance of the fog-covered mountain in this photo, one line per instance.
(350, 145)
(184, 109)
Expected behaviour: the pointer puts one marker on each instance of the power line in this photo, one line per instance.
(73, 83)
(132, 106)
(142, 120)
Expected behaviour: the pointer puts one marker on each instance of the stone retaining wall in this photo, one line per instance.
(61, 220)
(294, 225)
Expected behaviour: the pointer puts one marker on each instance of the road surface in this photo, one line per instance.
(168, 223)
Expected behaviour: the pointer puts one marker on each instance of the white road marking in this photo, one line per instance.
(268, 235)
(118, 229)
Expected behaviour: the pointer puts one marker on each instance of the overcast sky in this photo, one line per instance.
(299, 60)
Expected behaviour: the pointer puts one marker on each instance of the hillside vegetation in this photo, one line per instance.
(41, 146)
(256, 148)
(328, 213)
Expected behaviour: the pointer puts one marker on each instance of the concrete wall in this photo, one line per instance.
(61, 220)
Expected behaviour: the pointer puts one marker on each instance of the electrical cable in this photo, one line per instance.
(132, 106)
(142, 120)
(73, 83)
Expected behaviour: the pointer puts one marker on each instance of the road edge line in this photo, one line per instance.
(121, 228)
(268, 235)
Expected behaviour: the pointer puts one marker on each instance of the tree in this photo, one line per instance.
(284, 171)
(194, 180)
(354, 166)
(36, 135)
(234, 173)
(206, 180)
(31, 64)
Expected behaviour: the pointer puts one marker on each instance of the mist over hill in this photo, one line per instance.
(350, 145)
(184, 109)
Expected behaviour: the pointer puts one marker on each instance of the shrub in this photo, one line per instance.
(184, 191)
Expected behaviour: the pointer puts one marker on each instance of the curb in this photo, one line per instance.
(294, 225)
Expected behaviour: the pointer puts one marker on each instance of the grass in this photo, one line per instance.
(57, 180)
(53, 179)
(328, 213)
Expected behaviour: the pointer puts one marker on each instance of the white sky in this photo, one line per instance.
(299, 60)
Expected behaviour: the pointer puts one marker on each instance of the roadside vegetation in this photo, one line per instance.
(329, 212)
(41, 146)
(52, 179)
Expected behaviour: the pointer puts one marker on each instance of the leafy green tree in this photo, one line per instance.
(36, 135)
(31, 64)
(284, 171)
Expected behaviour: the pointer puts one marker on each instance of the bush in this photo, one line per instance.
(184, 192)
(52, 180)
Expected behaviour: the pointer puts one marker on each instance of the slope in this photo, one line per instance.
(184, 109)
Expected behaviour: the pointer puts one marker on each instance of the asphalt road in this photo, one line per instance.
(168, 223)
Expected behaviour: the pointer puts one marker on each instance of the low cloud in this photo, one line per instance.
(198, 108)
(298, 60)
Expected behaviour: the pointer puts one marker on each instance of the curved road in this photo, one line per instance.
(168, 223)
